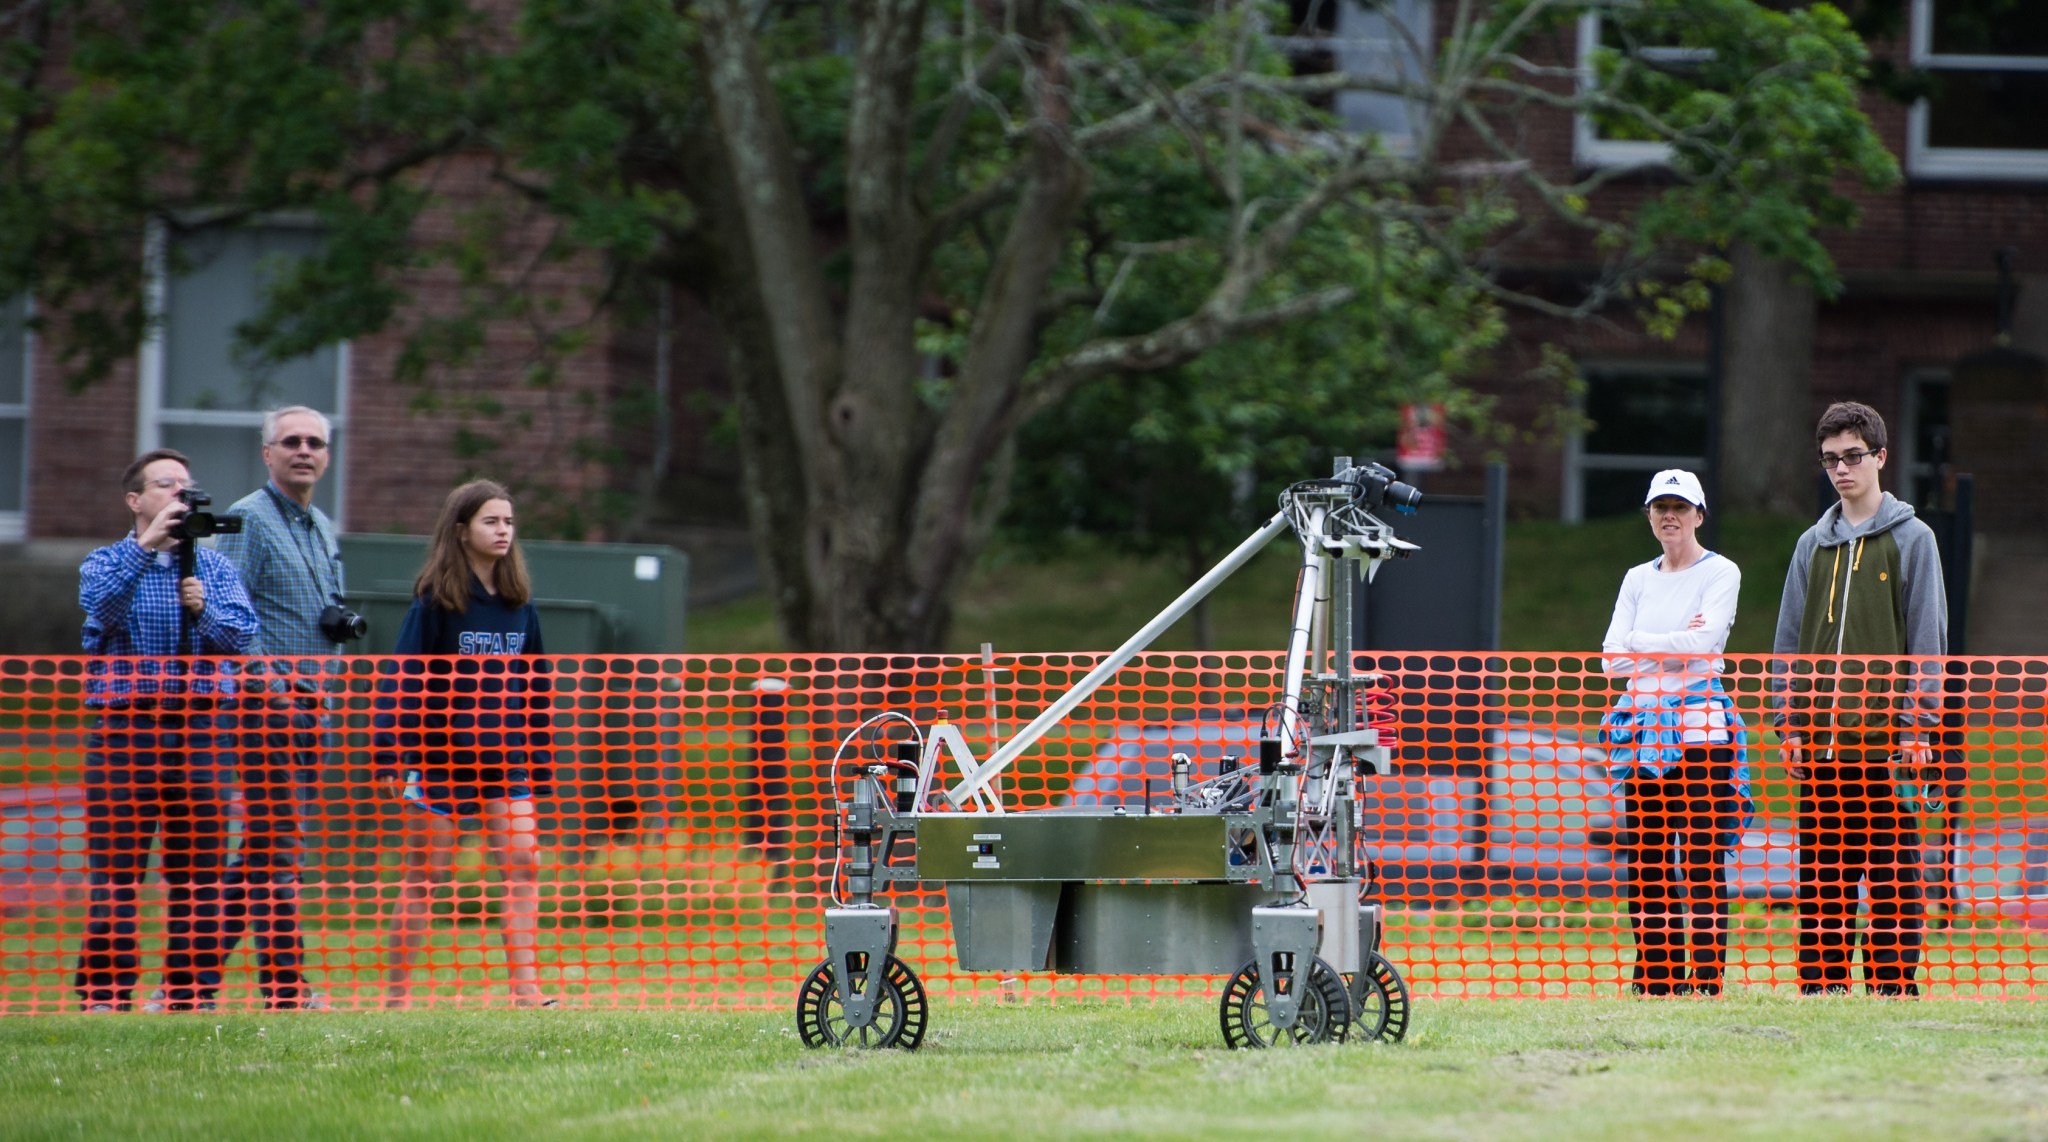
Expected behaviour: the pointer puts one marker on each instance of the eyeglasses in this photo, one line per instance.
(294, 443)
(169, 485)
(1851, 458)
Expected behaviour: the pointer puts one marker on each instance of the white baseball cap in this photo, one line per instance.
(1677, 482)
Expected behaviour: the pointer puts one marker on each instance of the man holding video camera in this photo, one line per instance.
(157, 608)
(290, 560)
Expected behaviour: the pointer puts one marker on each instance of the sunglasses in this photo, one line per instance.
(294, 443)
(1852, 458)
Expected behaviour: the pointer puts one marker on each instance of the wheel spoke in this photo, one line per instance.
(899, 1010)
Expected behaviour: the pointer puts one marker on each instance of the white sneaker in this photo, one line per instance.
(158, 1003)
(312, 999)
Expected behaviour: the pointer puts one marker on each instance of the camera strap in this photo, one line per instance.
(291, 526)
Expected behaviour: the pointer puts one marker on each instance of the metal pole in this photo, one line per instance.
(1305, 613)
(1030, 734)
(1717, 309)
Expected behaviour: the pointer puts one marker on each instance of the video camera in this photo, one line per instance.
(200, 524)
(1374, 484)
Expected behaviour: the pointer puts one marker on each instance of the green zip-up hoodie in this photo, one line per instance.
(1871, 589)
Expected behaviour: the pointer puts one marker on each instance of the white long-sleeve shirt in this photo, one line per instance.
(1649, 632)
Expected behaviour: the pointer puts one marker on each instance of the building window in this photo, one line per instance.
(1921, 449)
(1388, 40)
(1641, 419)
(1612, 140)
(1988, 60)
(199, 395)
(15, 354)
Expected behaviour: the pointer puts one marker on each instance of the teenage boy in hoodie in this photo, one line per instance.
(1865, 581)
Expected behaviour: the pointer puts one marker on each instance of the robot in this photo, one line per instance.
(1256, 871)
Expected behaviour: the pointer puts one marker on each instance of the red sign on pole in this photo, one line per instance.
(1420, 447)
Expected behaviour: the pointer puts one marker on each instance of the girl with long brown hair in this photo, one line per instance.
(473, 744)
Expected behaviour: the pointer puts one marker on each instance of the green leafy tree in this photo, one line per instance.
(917, 221)
(1182, 463)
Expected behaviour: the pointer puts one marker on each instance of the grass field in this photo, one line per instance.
(1557, 593)
(1015, 1061)
(1746, 1066)
(743, 945)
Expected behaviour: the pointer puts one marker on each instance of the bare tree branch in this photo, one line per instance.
(1174, 343)
(971, 90)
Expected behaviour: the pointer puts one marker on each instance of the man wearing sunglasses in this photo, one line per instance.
(1865, 582)
(290, 561)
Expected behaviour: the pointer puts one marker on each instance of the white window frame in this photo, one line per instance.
(1577, 461)
(1589, 150)
(14, 525)
(1387, 54)
(1905, 449)
(1923, 160)
(151, 415)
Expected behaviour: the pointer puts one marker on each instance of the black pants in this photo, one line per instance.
(276, 751)
(150, 775)
(1856, 838)
(1681, 827)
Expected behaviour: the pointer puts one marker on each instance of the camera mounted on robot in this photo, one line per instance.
(1374, 485)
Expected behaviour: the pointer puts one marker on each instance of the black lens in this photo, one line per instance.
(340, 624)
(1403, 495)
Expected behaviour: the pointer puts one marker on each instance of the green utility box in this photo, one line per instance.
(594, 598)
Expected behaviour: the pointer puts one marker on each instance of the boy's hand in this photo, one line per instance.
(1917, 762)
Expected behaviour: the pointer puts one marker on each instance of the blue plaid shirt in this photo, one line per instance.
(132, 624)
(291, 564)
(1645, 732)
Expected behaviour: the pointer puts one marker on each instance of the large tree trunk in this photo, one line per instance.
(1766, 461)
(873, 420)
(896, 501)
(870, 506)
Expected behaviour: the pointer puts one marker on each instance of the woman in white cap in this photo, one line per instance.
(1676, 745)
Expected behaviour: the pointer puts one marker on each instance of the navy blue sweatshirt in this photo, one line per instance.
(468, 718)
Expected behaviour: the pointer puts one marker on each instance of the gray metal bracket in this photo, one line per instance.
(1284, 943)
(868, 930)
(1368, 943)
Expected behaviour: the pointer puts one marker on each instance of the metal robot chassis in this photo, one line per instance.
(1255, 871)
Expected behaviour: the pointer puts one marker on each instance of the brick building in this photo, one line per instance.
(397, 447)
(1920, 294)
(1921, 284)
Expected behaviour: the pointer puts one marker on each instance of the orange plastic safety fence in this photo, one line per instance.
(660, 831)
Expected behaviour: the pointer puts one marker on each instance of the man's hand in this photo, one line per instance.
(157, 536)
(1917, 761)
(1697, 622)
(1795, 758)
(192, 593)
(391, 788)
